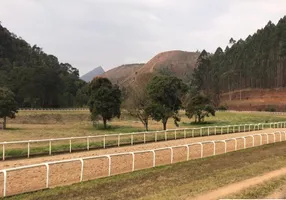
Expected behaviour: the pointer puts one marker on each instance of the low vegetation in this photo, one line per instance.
(260, 191)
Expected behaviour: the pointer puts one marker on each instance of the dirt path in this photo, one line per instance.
(236, 187)
(25, 161)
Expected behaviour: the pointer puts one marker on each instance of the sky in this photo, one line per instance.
(109, 33)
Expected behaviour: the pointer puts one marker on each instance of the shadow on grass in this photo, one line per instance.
(115, 128)
(12, 129)
(206, 123)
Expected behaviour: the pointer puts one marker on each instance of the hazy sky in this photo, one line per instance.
(108, 33)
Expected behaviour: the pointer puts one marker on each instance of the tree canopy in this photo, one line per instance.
(36, 78)
(259, 61)
(199, 106)
(165, 93)
(105, 99)
(8, 105)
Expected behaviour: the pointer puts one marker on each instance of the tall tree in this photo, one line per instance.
(105, 99)
(138, 101)
(199, 106)
(8, 105)
(165, 94)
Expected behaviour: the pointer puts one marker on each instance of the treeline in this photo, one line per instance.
(36, 78)
(259, 61)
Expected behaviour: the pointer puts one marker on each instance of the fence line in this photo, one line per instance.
(195, 132)
(110, 157)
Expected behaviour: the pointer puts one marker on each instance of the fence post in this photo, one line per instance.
(252, 140)
(3, 150)
(227, 129)
(202, 150)
(70, 146)
(155, 136)
(50, 147)
(48, 174)
(5, 183)
(166, 135)
(201, 131)
(144, 137)
(132, 138)
(104, 141)
(133, 161)
(154, 158)
(215, 130)
(175, 134)
(87, 143)
(29, 149)
(109, 165)
(172, 154)
(188, 152)
(81, 170)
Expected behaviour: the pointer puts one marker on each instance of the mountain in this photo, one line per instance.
(93, 73)
(251, 70)
(37, 78)
(118, 75)
(175, 63)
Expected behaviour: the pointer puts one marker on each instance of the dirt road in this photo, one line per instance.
(25, 161)
(236, 187)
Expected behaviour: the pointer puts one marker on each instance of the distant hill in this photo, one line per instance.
(175, 63)
(119, 74)
(93, 73)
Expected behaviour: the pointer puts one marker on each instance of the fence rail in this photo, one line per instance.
(111, 140)
(82, 170)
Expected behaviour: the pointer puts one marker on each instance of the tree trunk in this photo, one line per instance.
(199, 118)
(104, 123)
(4, 124)
(146, 125)
(164, 123)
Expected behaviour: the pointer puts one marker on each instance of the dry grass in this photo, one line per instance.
(54, 124)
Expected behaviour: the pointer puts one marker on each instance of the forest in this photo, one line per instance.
(36, 78)
(259, 61)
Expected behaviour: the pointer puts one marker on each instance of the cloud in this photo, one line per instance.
(89, 33)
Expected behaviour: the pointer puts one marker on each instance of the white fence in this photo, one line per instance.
(171, 151)
(146, 136)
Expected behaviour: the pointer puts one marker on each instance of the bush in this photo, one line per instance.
(222, 108)
(270, 109)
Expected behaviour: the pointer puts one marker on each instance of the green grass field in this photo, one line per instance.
(178, 181)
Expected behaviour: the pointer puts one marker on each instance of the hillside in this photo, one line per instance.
(176, 63)
(36, 78)
(119, 74)
(93, 73)
(258, 62)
